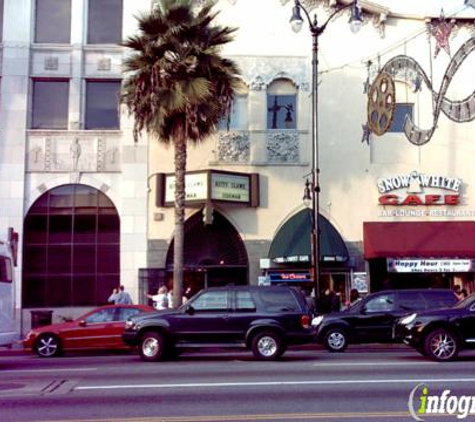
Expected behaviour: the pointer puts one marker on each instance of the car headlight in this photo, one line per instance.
(130, 325)
(408, 319)
(317, 320)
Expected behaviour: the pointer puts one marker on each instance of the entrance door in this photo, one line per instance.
(214, 254)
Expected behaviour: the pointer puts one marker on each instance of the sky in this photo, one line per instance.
(426, 7)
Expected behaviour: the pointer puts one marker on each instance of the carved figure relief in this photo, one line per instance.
(67, 153)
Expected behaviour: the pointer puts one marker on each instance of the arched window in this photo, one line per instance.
(281, 105)
(71, 251)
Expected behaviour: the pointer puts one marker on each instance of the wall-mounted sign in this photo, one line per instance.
(416, 189)
(287, 259)
(230, 187)
(430, 265)
(213, 186)
(196, 187)
(289, 277)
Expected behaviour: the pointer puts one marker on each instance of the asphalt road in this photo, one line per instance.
(364, 383)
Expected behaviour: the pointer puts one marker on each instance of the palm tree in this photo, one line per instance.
(178, 87)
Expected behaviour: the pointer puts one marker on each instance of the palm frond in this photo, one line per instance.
(177, 81)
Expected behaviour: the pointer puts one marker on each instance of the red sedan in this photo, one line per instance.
(100, 328)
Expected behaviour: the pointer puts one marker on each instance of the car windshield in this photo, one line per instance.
(465, 303)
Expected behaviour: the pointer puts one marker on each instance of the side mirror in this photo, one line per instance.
(82, 323)
(363, 310)
(190, 310)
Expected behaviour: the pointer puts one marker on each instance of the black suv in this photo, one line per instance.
(440, 334)
(371, 319)
(265, 319)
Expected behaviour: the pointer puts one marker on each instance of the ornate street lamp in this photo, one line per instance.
(296, 22)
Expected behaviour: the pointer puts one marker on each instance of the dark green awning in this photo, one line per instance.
(292, 243)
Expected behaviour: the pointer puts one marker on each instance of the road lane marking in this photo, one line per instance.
(35, 371)
(345, 363)
(271, 383)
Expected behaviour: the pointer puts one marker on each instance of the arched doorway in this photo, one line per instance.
(291, 256)
(71, 248)
(214, 254)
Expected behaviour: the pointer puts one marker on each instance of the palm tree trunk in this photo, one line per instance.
(179, 239)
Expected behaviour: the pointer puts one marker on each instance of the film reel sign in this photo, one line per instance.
(381, 104)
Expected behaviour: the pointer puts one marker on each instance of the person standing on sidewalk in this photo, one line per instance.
(120, 297)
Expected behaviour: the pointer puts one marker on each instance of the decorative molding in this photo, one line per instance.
(104, 64)
(73, 152)
(282, 147)
(51, 63)
(234, 146)
(258, 71)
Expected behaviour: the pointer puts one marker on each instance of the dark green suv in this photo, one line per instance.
(264, 319)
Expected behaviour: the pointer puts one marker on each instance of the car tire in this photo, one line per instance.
(48, 346)
(441, 345)
(267, 345)
(152, 347)
(336, 340)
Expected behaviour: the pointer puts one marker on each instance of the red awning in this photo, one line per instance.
(451, 239)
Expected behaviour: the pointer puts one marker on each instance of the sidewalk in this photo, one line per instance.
(14, 350)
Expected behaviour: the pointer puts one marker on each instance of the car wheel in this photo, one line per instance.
(47, 346)
(267, 345)
(441, 345)
(152, 347)
(336, 340)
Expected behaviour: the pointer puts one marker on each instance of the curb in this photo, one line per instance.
(14, 350)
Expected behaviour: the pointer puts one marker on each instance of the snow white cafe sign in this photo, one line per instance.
(211, 186)
(419, 191)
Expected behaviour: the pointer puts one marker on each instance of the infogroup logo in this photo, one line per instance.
(422, 403)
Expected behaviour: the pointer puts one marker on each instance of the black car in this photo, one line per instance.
(370, 320)
(440, 334)
(265, 319)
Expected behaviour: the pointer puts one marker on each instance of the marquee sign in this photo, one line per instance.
(206, 186)
(416, 189)
(430, 265)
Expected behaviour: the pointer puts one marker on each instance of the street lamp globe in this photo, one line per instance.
(356, 20)
(296, 21)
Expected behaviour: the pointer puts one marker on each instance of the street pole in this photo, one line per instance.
(296, 21)
(315, 166)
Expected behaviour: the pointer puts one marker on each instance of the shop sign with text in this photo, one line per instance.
(202, 187)
(430, 265)
(415, 189)
(196, 187)
(230, 187)
(290, 277)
